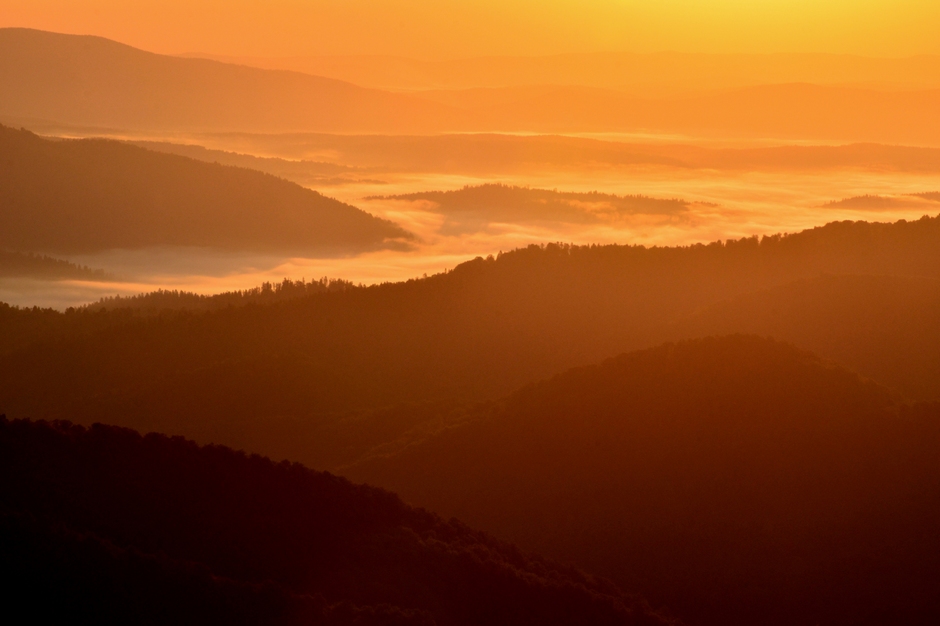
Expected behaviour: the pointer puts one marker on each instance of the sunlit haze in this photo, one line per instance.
(431, 29)
(470, 312)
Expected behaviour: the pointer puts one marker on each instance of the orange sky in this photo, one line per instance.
(460, 28)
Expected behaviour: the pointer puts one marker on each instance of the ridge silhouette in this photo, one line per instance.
(327, 377)
(735, 480)
(115, 527)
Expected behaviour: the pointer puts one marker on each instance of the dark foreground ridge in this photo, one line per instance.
(737, 480)
(103, 525)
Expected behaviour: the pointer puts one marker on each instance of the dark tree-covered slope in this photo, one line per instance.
(736, 480)
(267, 377)
(42, 267)
(71, 196)
(102, 525)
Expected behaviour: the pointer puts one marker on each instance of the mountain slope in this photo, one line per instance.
(93, 81)
(883, 327)
(19, 265)
(274, 377)
(88, 195)
(90, 81)
(736, 480)
(104, 523)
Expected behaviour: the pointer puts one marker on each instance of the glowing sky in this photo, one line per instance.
(461, 28)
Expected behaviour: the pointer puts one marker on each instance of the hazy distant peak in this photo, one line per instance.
(92, 81)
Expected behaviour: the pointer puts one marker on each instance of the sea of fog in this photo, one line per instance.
(725, 205)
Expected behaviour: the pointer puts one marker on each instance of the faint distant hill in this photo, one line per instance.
(93, 81)
(303, 172)
(494, 154)
(475, 206)
(67, 196)
(651, 74)
(25, 265)
(735, 480)
(778, 111)
(929, 201)
(308, 378)
(107, 526)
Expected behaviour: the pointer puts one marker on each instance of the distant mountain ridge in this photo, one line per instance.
(90, 81)
(26, 265)
(473, 207)
(97, 82)
(290, 378)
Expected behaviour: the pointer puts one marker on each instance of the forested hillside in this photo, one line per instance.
(120, 528)
(42, 267)
(884, 327)
(736, 480)
(274, 377)
(72, 196)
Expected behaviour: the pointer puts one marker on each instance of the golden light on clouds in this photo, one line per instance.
(459, 28)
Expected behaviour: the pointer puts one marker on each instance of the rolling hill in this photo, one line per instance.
(777, 111)
(103, 525)
(662, 73)
(309, 378)
(72, 196)
(736, 480)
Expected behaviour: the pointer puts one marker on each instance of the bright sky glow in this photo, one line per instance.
(461, 28)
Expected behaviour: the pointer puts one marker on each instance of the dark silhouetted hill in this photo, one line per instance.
(636, 73)
(91, 81)
(91, 195)
(499, 154)
(736, 480)
(36, 266)
(290, 378)
(106, 526)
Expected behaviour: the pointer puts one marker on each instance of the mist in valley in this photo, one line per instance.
(472, 315)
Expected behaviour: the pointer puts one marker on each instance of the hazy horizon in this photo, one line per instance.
(470, 313)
